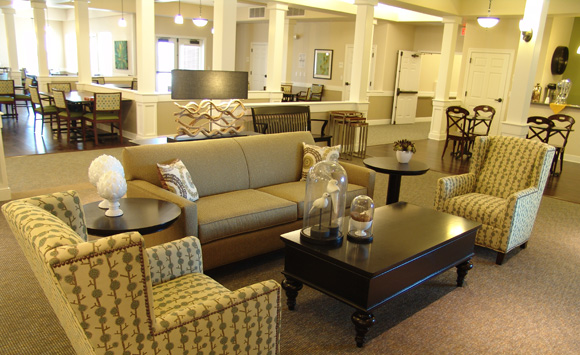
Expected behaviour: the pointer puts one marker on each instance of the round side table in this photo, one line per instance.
(389, 165)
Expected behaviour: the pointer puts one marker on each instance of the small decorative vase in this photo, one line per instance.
(112, 186)
(403, 157)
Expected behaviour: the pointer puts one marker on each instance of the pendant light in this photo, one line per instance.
(122, 22)
(199, 21)
(178, 18)
(488, 21)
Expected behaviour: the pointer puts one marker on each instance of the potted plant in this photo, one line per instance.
(404, 149)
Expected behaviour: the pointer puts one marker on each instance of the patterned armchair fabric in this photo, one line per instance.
(114, 296)
(502, 190)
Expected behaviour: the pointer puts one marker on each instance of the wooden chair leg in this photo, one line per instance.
(96, 137)
(500, 257)
(444, 148)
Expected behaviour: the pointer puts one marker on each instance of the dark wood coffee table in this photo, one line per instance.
(143, 215)
(411, 244)
(389, 165)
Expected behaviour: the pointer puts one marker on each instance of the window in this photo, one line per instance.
(102, 54)
(177, 53)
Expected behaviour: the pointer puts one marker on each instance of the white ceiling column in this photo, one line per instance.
(146, 45)
(288, 50)
(83, 41)
(535, 14)
(277, 15)
(38, 8)
(11, 44)
(146, 99)
(363, 37)
(441, 100)
(224, 34)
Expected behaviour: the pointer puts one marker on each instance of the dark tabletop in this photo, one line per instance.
(400, 232)
(144, 215)
(389, 165)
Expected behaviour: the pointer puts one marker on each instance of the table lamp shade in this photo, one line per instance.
(208, 84)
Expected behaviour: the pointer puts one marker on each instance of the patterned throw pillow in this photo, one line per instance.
(176, 178)
(314, 154)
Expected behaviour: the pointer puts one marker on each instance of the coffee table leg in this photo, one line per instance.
(291, 287)
(362, 322)
(393, 188)
(462, 270)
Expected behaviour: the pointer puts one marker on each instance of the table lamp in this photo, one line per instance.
(207, 117)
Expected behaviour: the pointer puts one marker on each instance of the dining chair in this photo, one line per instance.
(25, 95)
(70, 117)
(66, 87)
(106, 109)
(99, 80)
(539, 128)
(46, 112)
(483, 117)
(559, 138)
(457, 131)
(134, 84)
(7, 97)
(313, 93)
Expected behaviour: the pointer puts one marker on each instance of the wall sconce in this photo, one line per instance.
(527, 31)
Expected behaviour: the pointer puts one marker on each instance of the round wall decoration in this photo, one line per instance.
(559, 60)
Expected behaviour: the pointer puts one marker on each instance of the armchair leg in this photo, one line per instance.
(524, 246)
(499, 259)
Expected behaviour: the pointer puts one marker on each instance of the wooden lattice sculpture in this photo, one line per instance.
(206, 115)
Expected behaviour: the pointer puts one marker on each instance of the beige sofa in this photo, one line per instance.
(249, 191)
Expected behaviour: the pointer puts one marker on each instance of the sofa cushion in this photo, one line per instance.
(184, 291)
(274, 158)
(482, 208)
(296, 191)
(223, 215)
(313, 154)
(175, 177)
(210, 163)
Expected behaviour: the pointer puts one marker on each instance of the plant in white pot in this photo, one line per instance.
(404, 150)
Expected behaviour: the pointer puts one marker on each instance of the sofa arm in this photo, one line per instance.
(249, 315)
(141, 188)
(451, 186)
(173, 259)
(360, 175)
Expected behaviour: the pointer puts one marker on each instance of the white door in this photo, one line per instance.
(406, 87)
(258, 66)
(348, 71)
(486, 83)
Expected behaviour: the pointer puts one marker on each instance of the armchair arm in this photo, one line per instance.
(524, 204)
(301, 95)
(173, 259)
(250, 313)
(451, 186)
(141, 188)
(360, 175)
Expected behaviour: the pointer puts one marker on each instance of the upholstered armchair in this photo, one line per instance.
(502, 190)
(114, 296)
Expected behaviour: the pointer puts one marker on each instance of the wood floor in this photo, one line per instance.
(21, 139)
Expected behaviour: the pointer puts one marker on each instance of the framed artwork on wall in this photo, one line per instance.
(323, 63)
(121, 56)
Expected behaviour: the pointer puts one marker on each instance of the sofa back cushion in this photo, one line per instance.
(211, 164)
(274, 158)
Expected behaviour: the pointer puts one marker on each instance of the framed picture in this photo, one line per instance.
(121, 58)
(323, 63)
